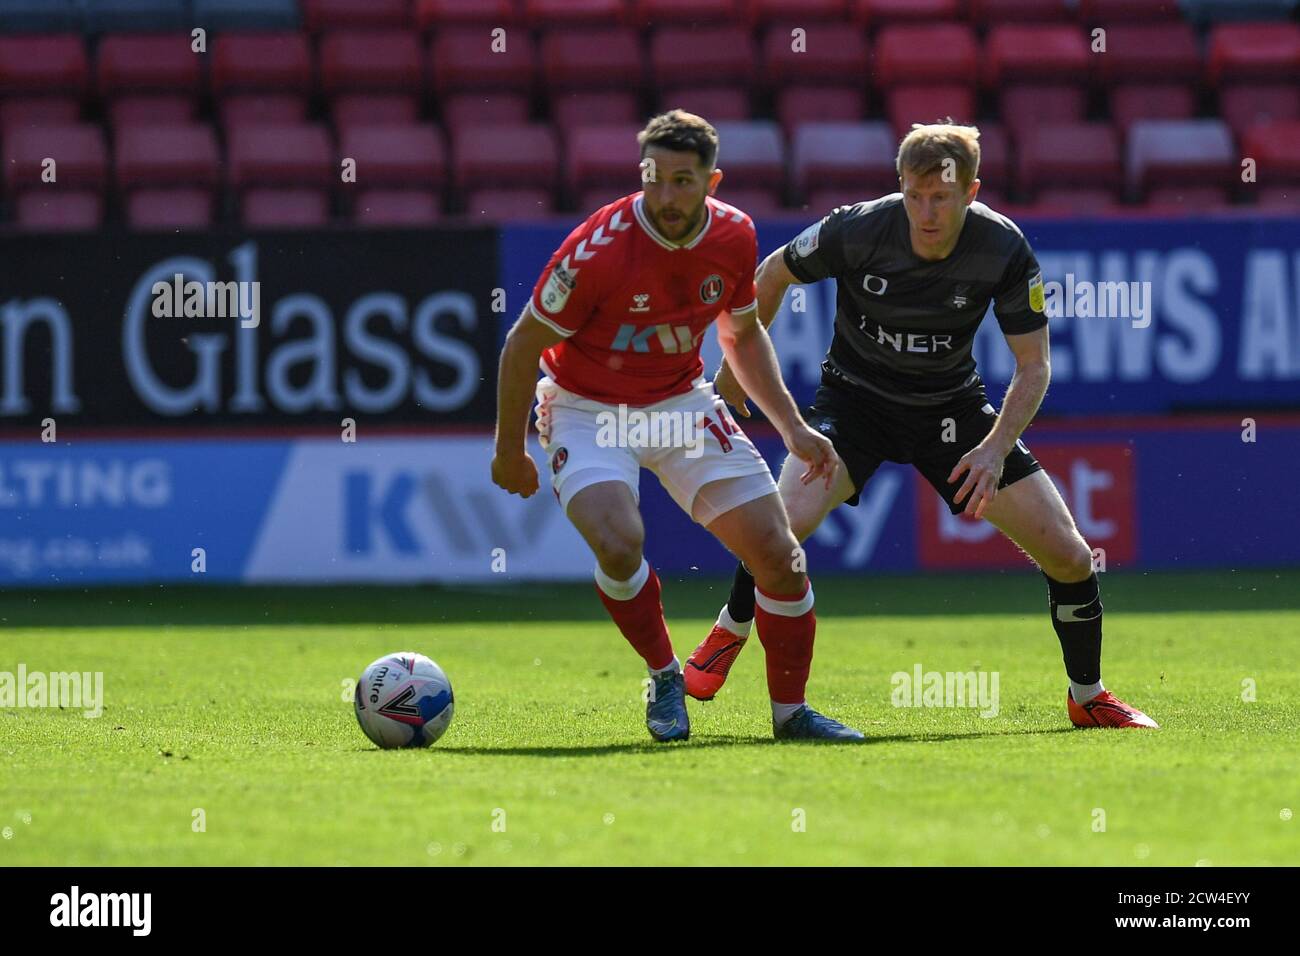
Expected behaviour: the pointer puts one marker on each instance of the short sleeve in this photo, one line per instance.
(745, 298)
(818, 251)
(566, 294)
(1018, 299)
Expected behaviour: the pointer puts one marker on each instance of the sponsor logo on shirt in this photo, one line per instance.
(1036, 301)
(558, 286)
(806, 243)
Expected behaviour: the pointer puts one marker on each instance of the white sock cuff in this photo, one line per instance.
(726, 621)
(796, 608)
(624, 590)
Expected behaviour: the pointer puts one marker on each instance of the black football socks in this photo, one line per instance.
(741, 603)
(1076, 617)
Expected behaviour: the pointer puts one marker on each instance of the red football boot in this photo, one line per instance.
(707, 668)
(1106, 710)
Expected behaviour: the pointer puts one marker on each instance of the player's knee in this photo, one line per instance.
(618, 550)
(1072, 563)
(777, 562)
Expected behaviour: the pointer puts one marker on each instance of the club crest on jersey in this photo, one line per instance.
(959, 299)
(561, 456)
(711, 289)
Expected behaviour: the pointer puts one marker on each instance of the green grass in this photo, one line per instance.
(233, 701)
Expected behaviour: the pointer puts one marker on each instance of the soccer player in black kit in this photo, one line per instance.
(915, 273)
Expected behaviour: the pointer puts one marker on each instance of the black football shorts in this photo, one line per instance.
(867, 430)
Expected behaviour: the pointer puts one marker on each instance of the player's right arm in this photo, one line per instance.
(512, 467)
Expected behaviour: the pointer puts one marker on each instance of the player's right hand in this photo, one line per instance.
(725, 384)
(517, 474)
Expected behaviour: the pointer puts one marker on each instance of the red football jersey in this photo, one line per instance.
(634, 306)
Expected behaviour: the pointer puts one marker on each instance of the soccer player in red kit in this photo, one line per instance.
(615, 323)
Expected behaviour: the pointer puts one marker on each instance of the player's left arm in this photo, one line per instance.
(983, 463)
(749, 352)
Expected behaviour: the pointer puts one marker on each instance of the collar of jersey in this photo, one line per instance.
(644, 221)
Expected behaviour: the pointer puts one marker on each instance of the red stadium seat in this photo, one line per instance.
(838, 156)
(928, 53)
(284, 208)
(382, 208)
(1279, 199)
(27, 111)
(1048, 53)
(1020, 11)
(752, 154)
(1243, 107)
(1254, 53)
(253, 109)
(350, 14)
(461, 58)
(875, 12)
(995, 158)
(77, 210)
(757, 202)
(520, 156)
(431, 14)
(389, 61)
(405, 156)
(822, 201)
(592, 59)
(1106, 12)
(1150, 53)
(298, 155)
(362, 109)
(993, 198)
(593, 199)
(830, 53)
(78, 151)
(1181, 200)
(654, 12)
(167, 156)
(1131, 103)
(764, 11)
(463, 110)
(602, 157)
(715, 104)
(707, 56)
(1276, 149)
(543, 13)
(1063, 156)
(599, 108)
(905, 105)
(506, 205)
(261, 63)
(155, 110)
(169, 209)
(44, 65)
(148, 63)
(1189, 153)
(1080, 202)
(819, 104)
(1024, 107)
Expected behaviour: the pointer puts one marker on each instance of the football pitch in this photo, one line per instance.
(228, 738)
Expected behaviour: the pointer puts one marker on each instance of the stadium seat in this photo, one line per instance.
(379, 61)
(246, 14)
(255, 109)
(593, 199)
(905, 105)
(1254, 53)
(1079, 201)
(399, 156)
(766, 11)
(1184, 200)
(831, 53)
(461, 59)
(1106, 12)
(993, 198)
(752, 154)
(1283, 200)
(430, 14)
(926, 53)
(1243, 107)
(1158, 101)
(78, 151)
(114, 16)
(365, 109)
(520, 156)
(1024, 107)
(995, 158)
(819, 104)
(1050, 53)
(463, 110)
(39, 16)
(544, 13)
(169, 209)
(1061, 156)
(148, 63)
(601, 157)
(715, 104)
(1189, 153)
(284, 208)
(383, 208)
(820, 202)
(506, 205)
(355, 14)
(27, 111)
(654, 12)
(299, 155)
(876, 12)
(591, 108)
(77, 210)
(1201, 12)
(837, 156)
(591, 59)
(167, 156)
(261, 63)
(151, 110)
(1276, 149)
(707, 56)
(759, 203)
(1150, 53)
(1019, 11)
(44, 65)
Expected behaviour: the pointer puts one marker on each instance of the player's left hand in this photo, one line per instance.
(983, 465)
(816, 451)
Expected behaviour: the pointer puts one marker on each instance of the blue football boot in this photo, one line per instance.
(806, 724)
(665, 711)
